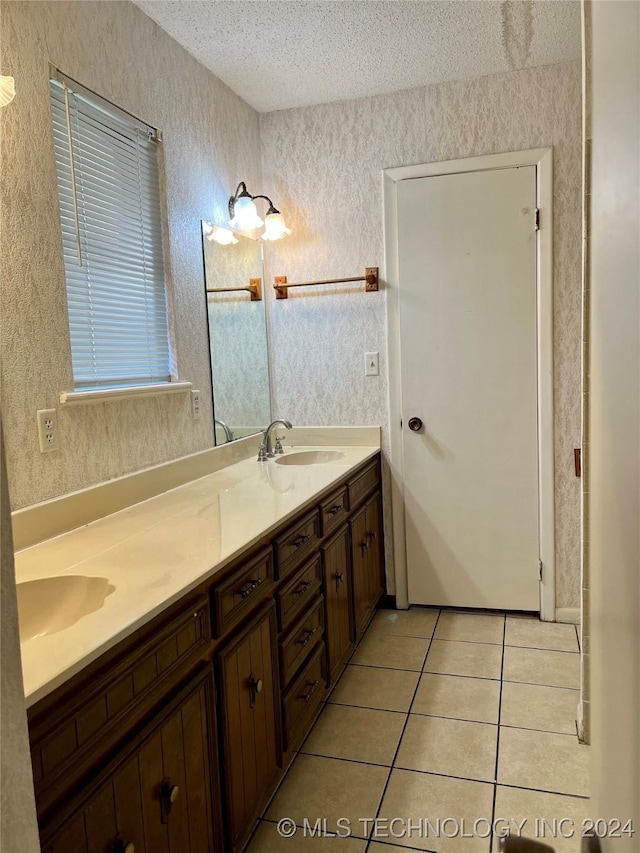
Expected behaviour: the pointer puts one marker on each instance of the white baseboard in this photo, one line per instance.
(571, 615)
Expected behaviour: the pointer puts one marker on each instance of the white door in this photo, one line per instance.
(467, 274)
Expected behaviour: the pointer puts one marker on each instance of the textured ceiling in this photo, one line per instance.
(277, 54)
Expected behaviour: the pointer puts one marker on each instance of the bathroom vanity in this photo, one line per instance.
(175, 736)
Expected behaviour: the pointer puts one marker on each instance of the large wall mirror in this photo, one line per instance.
(237, 334)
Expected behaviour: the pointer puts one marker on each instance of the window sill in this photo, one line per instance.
(104, 395)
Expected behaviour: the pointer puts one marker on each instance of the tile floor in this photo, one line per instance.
(461, 719)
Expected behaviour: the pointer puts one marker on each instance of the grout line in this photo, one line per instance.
(540, 731)
(395, 755)
(537, 684)
(543, 791)
(495, 774)
(543, 649)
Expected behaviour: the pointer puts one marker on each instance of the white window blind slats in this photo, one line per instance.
(116, 296)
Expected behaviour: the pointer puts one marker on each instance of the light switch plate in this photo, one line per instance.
(371, 364)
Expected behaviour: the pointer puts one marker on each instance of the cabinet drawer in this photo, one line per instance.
(334, 510)
(361, 485)
(73, 731)
(297, 543)
(300, 640)
(245, 588)
(296, 593)
(301, 701)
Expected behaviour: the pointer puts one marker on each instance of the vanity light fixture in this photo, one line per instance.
(244, 215)
(222, 236)
(7, 90)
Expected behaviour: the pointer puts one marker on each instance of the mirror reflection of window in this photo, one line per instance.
(237, 333)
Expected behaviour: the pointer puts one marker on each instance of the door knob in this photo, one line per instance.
(415, 424)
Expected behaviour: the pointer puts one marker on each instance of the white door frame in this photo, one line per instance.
(542, 159)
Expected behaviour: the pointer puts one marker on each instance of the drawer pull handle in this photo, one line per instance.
(307, 696)
(339, 576)
(251, 586)
(168, 795)
(299, 542)
(256, 685)
(371, 535)
(304, 586)
(122, 846)
(335, 509)
(307, 636)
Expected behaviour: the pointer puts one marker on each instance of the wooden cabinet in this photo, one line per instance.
(197, 714)
(338, 603)
(250, 719)
(366, 561)
(156, 796)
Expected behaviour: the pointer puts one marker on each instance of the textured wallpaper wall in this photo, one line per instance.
(323, 164)
(211, 141)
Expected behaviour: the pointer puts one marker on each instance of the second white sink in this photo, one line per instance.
(310, 457)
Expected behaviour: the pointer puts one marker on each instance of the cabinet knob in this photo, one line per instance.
(339, 577)
(168, 795)
(256, 685)
(335, 509)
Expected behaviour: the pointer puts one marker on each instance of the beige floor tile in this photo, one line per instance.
(543, 760)
(531, 706)
(268, 840)
(474, 659)
(471, 627)
(394, 652)
(451, 747)
(415, 622)
(359, 734)
(327, 788)
(455, 696)
(530, 632)
(535, 666)
(534, 807)
(418, 796)
(372, 687)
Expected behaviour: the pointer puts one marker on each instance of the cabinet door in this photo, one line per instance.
(360, 568)
(156, 796)
(367, 560)
(110, 819)
(337, 582)
(175, 780)
(250, 723)
(375, 550)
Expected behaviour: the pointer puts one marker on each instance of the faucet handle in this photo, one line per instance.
(279, 448)
(262, 453)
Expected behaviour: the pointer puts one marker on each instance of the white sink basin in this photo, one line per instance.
(49, 605)
(310, 457)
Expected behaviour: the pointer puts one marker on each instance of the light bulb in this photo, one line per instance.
(222, 236)
(275, 227)
(245, 215)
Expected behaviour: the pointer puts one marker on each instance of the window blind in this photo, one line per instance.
(107, 167)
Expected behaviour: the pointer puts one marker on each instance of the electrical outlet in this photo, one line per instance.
(195, 405)
(371, 364)
(47, 429)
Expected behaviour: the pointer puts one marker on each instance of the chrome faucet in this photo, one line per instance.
(228, 434)
(267, 450)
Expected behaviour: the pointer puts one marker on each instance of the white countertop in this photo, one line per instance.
(156, 551)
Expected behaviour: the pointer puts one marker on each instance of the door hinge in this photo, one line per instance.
(540, 570)
(537, 220)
